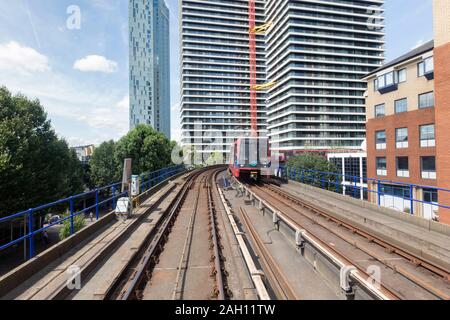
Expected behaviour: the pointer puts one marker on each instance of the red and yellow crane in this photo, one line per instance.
(253, 74)
(254, 87)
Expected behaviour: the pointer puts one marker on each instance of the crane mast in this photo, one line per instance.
(253, 73)
(254, 86)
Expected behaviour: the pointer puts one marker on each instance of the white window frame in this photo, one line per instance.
(381, 172)
(427, 143)
(402, 71)
(426, 66)
(395, 105)
(380, 146)
(427, 174)
(402, 173)
(427, 93)
(384, 110)
(401, 144)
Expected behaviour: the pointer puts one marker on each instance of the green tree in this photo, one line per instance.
(104, 167)
(312, 168)
(149, 149)
(79, 222)
(36, 166)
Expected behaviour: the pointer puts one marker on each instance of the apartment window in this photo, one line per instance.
(401, 105)
(385, 80)
(389, 79)
(381, 166)
(403, 167)
(380, 137)
(379, 110)
(352, 167)
(381, 82)
(428, 165)
(401, 75)
(427, 136)
(396, 191)
(426, 100)
(430, 196)
(425, 67)
(401, 138)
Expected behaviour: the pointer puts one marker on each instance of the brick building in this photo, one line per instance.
(408, 118)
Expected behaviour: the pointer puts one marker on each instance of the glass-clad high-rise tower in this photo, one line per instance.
(149, 64)
(216, 73)
(317, 52)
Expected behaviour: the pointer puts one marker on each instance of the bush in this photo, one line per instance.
(315, 168)
(78, 224)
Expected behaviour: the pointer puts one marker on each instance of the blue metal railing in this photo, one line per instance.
(337, 182)
(103, 197)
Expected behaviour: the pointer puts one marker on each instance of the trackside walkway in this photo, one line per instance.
(428, 239)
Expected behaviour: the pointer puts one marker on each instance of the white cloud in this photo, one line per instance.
(95, 63)
(124, 104)
(24, 60)
(80, 112)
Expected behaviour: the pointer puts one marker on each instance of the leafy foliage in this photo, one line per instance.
(149, 149)
(104, 167)
(311, 168)
(36, 166)
(79, 222)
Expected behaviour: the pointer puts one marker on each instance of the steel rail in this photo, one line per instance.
(328, 251)
(373, 238)
(215, 239)
(131, 282)
(182, 267)
(133, 286)
(274, 274)
(61, 291)
(256, 275)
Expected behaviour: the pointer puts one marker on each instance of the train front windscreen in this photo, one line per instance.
(254, 153)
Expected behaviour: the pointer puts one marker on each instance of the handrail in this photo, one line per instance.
(101, 200)
(337, 181)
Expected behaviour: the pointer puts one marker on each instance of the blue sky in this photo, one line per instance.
(81, 75)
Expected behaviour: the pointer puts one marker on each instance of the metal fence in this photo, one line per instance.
(356, 186)
(102, 198)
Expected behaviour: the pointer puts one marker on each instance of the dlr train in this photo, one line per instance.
(250, 158)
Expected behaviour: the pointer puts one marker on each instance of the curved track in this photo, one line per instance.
(402, 275)
(183, 260)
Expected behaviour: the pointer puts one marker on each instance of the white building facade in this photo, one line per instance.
(215, 73)
(317, 52)
(352, 168)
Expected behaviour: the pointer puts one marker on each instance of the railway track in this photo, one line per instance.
(278, 281)
(183, 259)
(52, 284)
(403, 276)
(124, 262)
